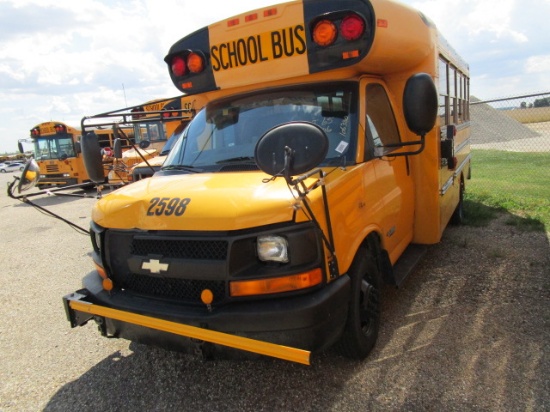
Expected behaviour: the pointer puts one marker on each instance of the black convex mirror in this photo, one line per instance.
(117, 148)
(291, 149)
(93, 162)
(420, 106)
(420, 103)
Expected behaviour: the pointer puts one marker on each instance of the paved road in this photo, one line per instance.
(468, 331)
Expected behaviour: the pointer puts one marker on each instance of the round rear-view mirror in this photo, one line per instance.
(117, 148)
(29, 176)
(307, 144)
(420, 103)
(144, 144)
(93, 162)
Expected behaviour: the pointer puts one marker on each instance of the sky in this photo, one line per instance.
(61, 60)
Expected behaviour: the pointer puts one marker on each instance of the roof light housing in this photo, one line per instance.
(137, 113)
(338, 27)
(188, 62)
(60, 128)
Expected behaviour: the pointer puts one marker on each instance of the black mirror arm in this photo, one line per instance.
(328, 241)
(421, 142)
(144, 159)
(24, 199)
(288, 158)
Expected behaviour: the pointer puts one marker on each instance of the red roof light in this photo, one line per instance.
(352, 27)
(179, 68)
(59, 128)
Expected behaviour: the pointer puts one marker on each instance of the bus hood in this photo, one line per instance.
(133, 153)
(206, 201)
(155, 161)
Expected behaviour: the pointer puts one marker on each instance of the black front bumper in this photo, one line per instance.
(311, 322)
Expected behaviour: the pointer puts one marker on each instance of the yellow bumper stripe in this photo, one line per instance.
(238, 342)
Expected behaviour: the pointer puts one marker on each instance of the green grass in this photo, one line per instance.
(518, 183)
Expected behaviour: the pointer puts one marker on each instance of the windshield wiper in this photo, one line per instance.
(186, 168)
(240, 159)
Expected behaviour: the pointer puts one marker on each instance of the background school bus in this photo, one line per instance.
(150, 126)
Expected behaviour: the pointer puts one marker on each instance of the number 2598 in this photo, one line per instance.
(167, 206)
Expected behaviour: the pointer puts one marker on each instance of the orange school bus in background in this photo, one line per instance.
(333, 149)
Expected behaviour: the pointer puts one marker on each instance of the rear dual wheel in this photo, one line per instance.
(457, 217)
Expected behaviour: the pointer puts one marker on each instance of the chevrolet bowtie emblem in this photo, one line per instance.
(154, 266)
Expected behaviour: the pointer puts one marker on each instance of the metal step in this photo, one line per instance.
(406, 264)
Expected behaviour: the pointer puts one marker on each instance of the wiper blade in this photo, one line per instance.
(186, 168)
(240, 159)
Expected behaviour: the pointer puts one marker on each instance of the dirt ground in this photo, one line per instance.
(468, 331)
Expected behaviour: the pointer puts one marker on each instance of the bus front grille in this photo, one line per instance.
(183, 290)
(52, 168)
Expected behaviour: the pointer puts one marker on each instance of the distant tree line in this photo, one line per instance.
(544, 102)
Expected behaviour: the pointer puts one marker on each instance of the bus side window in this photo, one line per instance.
(382, 128)
(373, 133)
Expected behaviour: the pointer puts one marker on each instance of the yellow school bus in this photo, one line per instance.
(143, 132)
(57, 151)
(332, 150)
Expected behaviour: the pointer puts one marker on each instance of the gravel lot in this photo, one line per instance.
(468, 331)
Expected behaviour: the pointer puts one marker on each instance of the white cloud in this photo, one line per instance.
(538, 64)
(464, 20)
(63, 59)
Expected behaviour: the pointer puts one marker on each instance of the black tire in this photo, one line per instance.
(458, 215)
(363, 322)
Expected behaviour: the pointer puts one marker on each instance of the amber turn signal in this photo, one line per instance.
(276, 285)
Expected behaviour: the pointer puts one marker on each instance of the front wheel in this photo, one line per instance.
(363, 322)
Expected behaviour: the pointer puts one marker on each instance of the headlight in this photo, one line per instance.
(96, 240)
(66, 175)
(273, 249)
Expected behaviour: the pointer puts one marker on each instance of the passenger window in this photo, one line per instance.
(382, 128)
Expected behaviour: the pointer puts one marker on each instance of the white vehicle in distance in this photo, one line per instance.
(11, 167)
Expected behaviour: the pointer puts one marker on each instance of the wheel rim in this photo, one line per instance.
(369, 312)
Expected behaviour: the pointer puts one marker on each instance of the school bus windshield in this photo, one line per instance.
(227, 131)
(151, 131)
(54, 147)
